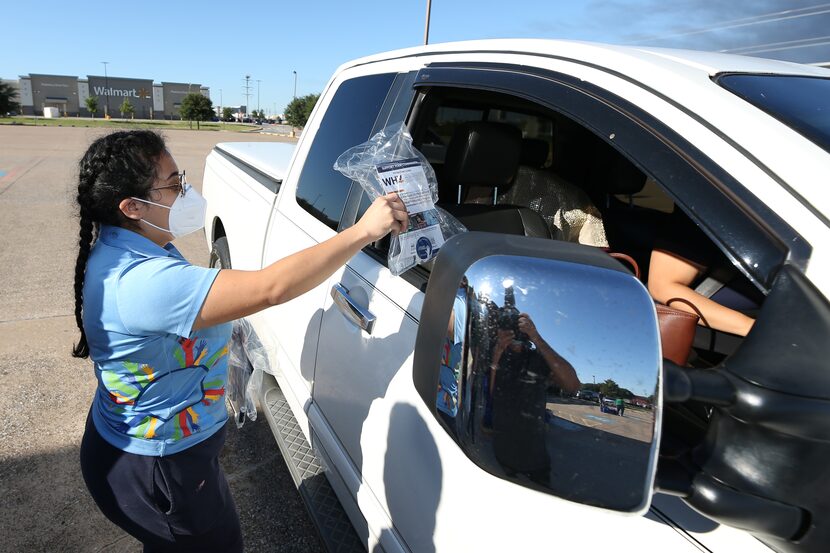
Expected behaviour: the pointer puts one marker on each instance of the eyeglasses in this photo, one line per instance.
(180, 187)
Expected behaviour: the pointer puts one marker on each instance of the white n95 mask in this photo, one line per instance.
(187, 214)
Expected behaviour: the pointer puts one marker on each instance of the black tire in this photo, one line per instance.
(220, 255)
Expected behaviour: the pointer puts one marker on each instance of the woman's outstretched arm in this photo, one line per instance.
(236, 294)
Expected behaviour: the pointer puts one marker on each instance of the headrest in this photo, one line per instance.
(481, 153)
(534, 152)
(627, 180)
(614, 174)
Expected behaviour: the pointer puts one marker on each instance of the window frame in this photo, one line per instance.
(758, 242)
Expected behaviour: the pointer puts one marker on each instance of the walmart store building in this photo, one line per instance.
(68, 94)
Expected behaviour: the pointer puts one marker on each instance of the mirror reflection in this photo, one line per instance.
(548, 378)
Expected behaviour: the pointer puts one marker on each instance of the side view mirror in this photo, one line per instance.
(541, 359)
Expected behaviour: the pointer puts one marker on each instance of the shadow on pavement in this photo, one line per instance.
(46, 506)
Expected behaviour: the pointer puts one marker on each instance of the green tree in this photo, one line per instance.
(92, 105)
(127, 108)
(609, 388)
(299, 109)
(196, 107)
(227, 114)
(8, 99)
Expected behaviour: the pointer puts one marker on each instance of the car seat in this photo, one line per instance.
(482, 160)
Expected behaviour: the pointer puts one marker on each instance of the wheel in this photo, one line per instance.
(220, 255)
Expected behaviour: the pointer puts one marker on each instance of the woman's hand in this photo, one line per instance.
(386, 214)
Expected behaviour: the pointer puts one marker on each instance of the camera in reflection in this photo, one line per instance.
(509, 320)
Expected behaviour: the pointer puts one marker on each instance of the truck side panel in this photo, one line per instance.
(239, 207)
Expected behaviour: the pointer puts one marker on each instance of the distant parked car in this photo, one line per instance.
(587, 395)
(608, 405)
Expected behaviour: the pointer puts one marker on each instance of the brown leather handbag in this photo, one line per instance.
(677, 330)
(677, 327)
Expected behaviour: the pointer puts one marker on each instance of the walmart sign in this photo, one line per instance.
(130, 93)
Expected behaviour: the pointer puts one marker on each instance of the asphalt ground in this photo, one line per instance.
(637, 424)
(45, 393)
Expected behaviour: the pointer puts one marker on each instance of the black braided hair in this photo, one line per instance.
(116, 166)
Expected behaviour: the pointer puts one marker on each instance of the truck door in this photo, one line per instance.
(308, 212)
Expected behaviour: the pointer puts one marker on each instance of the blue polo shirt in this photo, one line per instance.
(161, 387)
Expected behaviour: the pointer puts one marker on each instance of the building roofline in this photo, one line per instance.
(48, 75)
(122, 78)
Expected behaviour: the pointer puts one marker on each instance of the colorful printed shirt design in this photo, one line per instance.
(450, 372)
(131, 388)
(161, 386)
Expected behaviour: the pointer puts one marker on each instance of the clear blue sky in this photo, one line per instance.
(217, 43)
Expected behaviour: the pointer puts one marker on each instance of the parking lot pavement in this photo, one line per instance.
(637, 424)
(45, 393)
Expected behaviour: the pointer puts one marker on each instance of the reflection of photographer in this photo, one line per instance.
(522, 367)
(517, 332)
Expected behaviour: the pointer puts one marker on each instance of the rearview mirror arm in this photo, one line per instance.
(709, 385)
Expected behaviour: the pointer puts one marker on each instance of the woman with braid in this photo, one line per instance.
(157, 330)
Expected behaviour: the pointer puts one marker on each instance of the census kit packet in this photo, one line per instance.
(386, 163)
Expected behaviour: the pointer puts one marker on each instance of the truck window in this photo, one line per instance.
(349, 119)
(802, 103)
(562, 163)
(446, 117)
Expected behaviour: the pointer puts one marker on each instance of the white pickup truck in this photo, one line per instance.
(390, 386)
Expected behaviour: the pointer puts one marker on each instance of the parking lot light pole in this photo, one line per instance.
(247, 95)
(257, 96)
(106, 90)
(295, 85)
(426, 24)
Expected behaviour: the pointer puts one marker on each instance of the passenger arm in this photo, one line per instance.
(670, 277)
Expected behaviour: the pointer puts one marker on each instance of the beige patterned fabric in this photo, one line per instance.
(567, 209)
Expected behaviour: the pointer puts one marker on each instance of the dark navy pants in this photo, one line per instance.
(179, 502)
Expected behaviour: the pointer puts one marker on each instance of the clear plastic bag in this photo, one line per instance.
(247, 360)
(388, 162)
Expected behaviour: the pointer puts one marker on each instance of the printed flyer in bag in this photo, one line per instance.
(386, 163)
(406, 177)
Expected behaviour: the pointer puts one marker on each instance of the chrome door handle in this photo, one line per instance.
(361, 318)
